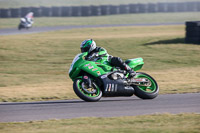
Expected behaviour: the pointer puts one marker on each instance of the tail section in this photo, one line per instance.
(135, 64)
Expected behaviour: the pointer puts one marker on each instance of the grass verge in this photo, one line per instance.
(111, 19)
(165, 123)
(34, 67)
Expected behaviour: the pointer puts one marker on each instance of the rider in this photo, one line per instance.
(89, 46)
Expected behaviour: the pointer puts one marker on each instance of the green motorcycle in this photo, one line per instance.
(95, 77)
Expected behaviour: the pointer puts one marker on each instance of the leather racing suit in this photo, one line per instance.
(114, 61)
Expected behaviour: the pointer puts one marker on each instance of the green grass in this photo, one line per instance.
(34, 67)
(36, 3)
(159, 123)
(102, 20)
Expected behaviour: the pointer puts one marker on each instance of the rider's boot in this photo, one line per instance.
(131, 72)
(116, 61)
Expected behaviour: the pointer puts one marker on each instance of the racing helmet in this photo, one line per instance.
(88, 45)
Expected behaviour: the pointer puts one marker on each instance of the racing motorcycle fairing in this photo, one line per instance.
(136, 63)
(99, 67)
(79, 65)
(112, 88)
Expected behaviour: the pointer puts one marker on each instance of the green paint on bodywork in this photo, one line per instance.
(100, 67)
(136, 63)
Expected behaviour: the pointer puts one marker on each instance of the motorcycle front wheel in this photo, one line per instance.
(146, 92)
(19, 27)
(92, 94)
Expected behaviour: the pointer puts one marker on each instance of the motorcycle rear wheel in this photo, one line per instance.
(93, 96)
(145, 92)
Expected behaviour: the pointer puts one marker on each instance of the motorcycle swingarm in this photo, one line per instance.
(140, 82)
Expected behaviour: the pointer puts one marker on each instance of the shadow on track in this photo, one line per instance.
(119, 100)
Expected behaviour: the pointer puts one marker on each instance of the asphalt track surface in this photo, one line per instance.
(14, 31)
(106, 107)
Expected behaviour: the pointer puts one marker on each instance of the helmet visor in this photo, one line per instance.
(86, 49)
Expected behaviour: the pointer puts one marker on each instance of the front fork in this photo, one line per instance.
(86, 79)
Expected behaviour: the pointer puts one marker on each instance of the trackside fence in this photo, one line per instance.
(69, 11)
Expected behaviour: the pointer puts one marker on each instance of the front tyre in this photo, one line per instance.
(87, 94)
(19, 27)
(146, 92)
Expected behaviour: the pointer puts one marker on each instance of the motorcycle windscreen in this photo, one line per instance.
(29, 15)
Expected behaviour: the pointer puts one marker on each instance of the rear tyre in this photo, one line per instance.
(145, 92)
(93, 94)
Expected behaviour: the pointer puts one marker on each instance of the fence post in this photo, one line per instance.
(104, 10)
(142, 8)
(15, 12)
(152, 8)
(5, 13)
(24, 11)
(133, 8)
(56, 11)
(181, 7)
(114, 9)
(46, 11)
(171, 7)
(95, 10)
(85, 11)
(124, 9)
(191, 6)
(162, 7)
(76, 11)
(66, 11)
(36, 11)
(198, 6)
